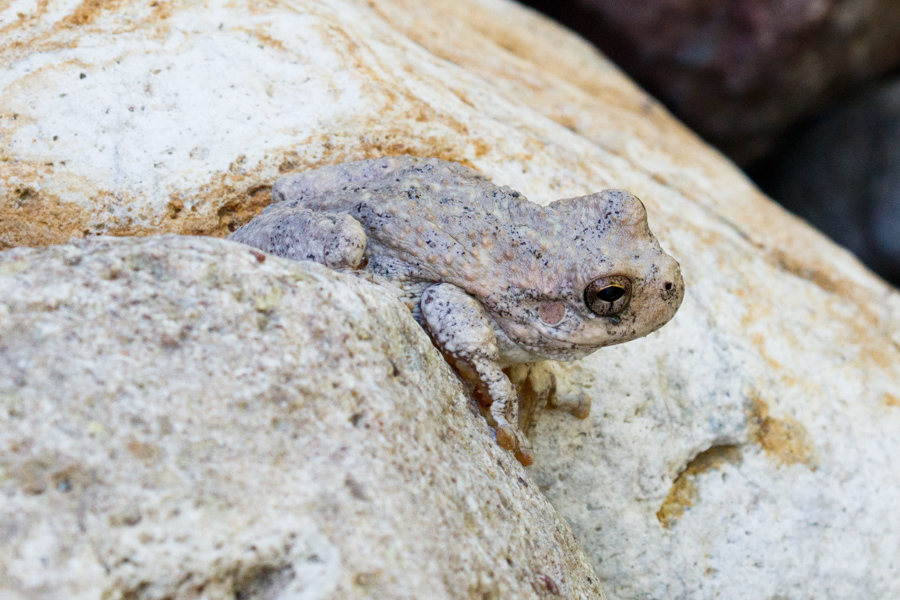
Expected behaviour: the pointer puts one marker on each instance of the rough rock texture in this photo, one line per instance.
(747, 450)
(843, 176)
(181, 420)
(742, 72)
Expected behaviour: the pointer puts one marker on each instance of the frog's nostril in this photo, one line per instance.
(668, 286)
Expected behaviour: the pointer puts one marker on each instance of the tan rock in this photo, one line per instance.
(182, 419)
(747, 450)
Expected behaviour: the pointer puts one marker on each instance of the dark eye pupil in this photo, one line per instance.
(610, 293)
(608, 296)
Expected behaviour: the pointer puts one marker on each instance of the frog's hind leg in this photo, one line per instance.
(462, 331)
(334, 181)
(334, 240)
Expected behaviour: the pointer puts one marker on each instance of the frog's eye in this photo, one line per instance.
(608, 295)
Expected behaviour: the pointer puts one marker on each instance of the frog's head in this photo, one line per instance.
(614, 282)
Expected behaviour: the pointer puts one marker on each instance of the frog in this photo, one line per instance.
(494, 279)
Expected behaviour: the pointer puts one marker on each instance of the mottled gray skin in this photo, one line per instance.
(495, 279)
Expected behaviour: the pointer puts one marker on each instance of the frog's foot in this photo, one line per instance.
(577, 404)
(548, 385)
(462, 331)
(511, 437)
(334, 240)
(571, 390)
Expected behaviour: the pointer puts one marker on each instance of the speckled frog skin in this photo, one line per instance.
(493, 278)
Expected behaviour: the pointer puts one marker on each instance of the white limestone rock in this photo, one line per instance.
(745, 451)
(181, 420)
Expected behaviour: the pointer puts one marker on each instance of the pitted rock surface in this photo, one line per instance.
(180, 419)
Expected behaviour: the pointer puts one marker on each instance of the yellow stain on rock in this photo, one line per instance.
(783, 439)
(683, 493)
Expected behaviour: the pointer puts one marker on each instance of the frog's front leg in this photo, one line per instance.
(334, 240)
(462, 330)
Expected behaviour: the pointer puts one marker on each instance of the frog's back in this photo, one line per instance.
(425, 218)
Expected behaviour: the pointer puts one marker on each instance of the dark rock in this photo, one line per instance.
(740, 73)
(843, 176)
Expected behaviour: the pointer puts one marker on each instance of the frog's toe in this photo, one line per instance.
(510, 438)
(525, 456)
(345, 244)
(507, 437)
(524, 453)
(583, 409)
(577, 405)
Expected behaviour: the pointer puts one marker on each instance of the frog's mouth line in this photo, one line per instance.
(600, 341)
(556, 345)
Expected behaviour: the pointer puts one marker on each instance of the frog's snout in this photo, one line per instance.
(671, 290)
(668, 290)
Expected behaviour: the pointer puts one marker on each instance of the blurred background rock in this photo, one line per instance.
(804, 94)
(842, 174)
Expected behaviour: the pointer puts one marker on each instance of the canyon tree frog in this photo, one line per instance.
(494, 279)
